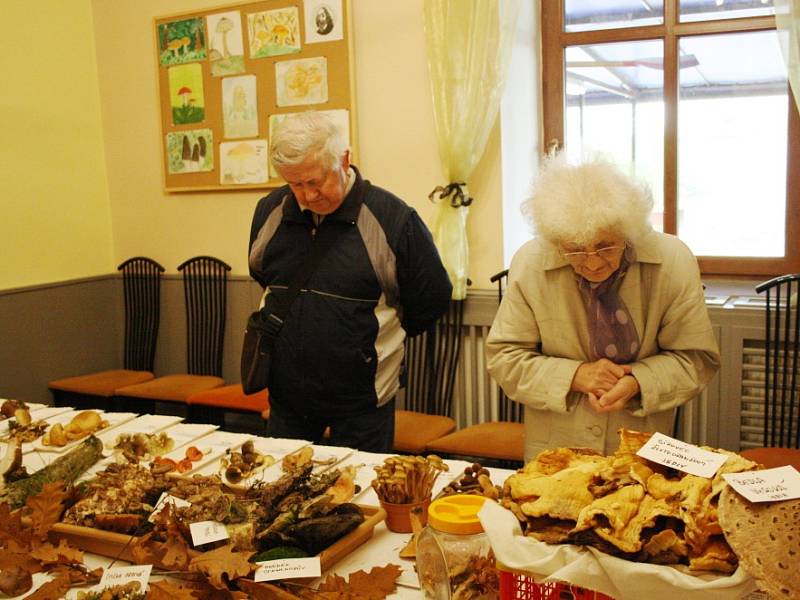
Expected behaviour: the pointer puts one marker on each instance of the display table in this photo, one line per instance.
(380, 550)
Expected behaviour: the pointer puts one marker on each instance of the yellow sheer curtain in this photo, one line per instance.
(469, 46)
(787, 17)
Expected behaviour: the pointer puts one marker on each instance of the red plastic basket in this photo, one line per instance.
(518, 586)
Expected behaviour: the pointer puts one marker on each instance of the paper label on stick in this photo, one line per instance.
(769, 485)
(670, 452)
(124, 575)
(165, 499)
(288, 568)
(206, 532)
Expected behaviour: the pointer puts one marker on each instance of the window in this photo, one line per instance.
(692, 96)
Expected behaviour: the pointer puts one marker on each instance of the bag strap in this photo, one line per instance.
(323, 241)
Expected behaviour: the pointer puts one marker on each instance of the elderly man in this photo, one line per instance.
(336, 362)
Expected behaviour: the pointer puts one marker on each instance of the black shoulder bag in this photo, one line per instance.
(263, 327)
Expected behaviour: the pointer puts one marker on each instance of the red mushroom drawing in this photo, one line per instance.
(184, 94)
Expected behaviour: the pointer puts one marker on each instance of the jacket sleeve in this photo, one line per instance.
(688, 355)
(262, 211)
(425, 288)
(514, 351)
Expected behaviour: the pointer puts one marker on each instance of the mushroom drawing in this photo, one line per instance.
(174, 45)
(185, 41)
(186, 153)
(184, 94)
(196, 158)
(240, 153)
(224, 25)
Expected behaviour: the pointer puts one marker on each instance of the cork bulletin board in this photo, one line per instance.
(227, 75)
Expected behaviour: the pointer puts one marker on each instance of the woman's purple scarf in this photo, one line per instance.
(612, 334)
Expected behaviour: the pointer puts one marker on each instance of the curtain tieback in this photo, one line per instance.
(454, 192)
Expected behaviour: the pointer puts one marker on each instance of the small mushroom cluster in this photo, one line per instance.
(407, 479)
(475, 480)
(240, 465)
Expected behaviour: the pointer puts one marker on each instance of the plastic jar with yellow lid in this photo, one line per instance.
(454, 559)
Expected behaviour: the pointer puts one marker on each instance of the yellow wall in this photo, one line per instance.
(56, 222)
(396, 139)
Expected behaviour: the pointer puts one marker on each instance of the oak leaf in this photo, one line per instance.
(265, 591)
(63, 554)
(375, 585)
(52, 590)
(142, 550)
(163, 590)
(15, 581)
(10, 559)
(176, 553)
(46, 507)
(12, 534)
(78, 574)
(222, 565)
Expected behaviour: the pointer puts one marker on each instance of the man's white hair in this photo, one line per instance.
(307, 135)
(575, 203)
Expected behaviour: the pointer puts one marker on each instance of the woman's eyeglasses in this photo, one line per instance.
(608, 254)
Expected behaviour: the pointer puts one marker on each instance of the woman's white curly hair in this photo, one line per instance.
(575, 203)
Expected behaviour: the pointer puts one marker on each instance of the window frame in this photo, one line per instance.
(555, 40)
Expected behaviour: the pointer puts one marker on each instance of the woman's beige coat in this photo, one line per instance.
(540, 337)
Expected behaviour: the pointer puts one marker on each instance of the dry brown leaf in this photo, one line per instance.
(15, 581)
(163, 590)
(265, 591)
(222, 565)
(52, 590)
(142, 550)
(63, 554)
(78, 574)
(176, 553)
(10, 559)
(46, 508)
(12, 534)
(375, 585)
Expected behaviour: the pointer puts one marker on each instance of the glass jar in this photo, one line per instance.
(454, 559)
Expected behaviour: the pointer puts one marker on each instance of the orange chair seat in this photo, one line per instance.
(103, 383)
(175, 388)
(500, 440)
(773, 457)
(232, 397)
(414, 430)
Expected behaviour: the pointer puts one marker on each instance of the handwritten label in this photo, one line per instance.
(670, 452)
(165, 499)
(206, 532)
(288, 568)
(769, 485)
(125, 575)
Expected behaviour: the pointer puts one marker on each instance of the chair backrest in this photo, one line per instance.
(431, 363)
(782, 345)
(507, 409)
(205, 287)
(141, 283)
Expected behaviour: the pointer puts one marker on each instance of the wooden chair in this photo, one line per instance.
(211, 406)
(141, 282)
(502, 440)
(781, 389)
(431, 361)
(205, 280)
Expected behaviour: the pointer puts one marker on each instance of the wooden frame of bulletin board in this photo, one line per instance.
(226, 75)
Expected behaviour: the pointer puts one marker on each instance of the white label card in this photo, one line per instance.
(288, 568)
(670, 452)
(206, 532)
(124, 575)
(769, 485)
(165, 499)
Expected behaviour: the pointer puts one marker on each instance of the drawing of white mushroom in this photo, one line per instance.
(240, 154)
(224, 25)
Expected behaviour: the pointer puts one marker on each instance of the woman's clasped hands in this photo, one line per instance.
(607, 385)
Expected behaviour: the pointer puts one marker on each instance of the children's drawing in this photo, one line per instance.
(323, 20)
(190, 151)
(340, 117)
(181, 41)
(239, 112)
(302, 81)
(225, 47)
(243, 162)
(274, 32)
(186, 94)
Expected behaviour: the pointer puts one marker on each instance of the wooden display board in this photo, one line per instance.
(227, 74)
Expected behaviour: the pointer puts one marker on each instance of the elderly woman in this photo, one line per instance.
(604, 323)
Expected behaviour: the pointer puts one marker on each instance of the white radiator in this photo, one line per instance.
(476, 394)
